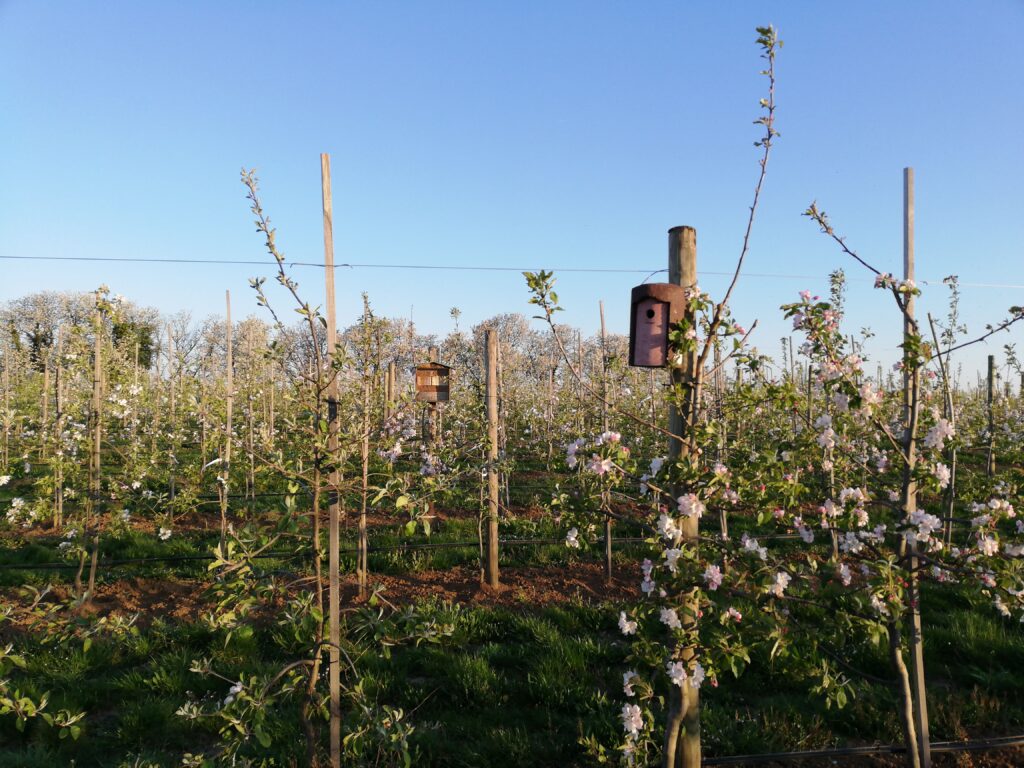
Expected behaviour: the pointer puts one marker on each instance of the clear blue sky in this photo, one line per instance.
(530, 134)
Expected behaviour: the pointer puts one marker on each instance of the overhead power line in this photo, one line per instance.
(452, 267)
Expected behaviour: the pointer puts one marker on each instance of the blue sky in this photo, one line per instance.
(530, 134)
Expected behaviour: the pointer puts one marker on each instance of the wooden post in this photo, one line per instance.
(170, 371)
(250, 424)
(173, 420)
(504, 478)
(389, 391)
(58, 426)
(225, 470)
(430, 428)
(333, 543)
(96, 435)
(550, 410)
(604, 428)
(272, 419)
(792, 361)
(910, 395)
(720, 448)
(7, 410)
(430, 434)
(990, 462)
(654, 394)
(604, 370)
(682, 731)
(810, 393)
(202, 422)
(491, 399)
(580, 415)
(45, 398)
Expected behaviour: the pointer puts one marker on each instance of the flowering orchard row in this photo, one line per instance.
(778, 457)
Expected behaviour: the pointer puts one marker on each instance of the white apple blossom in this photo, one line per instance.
(670, 618)
(632, 719)
(782, 580)
(626, 625)
(233, 692)
(750, 545)
(938, 434)
(713, 577)
(676, 672)
(627, 682)
(690, 505)
(697, 675)
(844, 574)
(669, 529)
(672, 559)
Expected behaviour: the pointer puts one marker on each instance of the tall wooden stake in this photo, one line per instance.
(333, 543)
(225, 469)
(6, 455)
(389, 391)
(96, 422)
(45, 403)
(910, 394)
(430, 434)
(58, 428)
(604, 428)
(550, 410)
(990, 461)
(682, 731)
(491, 397)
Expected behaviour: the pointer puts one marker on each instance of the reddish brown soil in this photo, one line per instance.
(150, 598)
(527, 586)
(184, 600)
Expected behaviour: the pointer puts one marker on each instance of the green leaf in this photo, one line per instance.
(262, 737)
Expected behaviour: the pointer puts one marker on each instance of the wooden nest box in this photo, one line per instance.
(654, 309)
(432, 382)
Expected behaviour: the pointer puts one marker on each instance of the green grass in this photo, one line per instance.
(509, 687)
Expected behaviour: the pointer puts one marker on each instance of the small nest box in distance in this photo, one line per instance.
(432, 382)
(654, 309)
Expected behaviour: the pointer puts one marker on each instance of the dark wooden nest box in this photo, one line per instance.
(654, 309)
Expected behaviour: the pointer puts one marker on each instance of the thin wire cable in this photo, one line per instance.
(454, 267)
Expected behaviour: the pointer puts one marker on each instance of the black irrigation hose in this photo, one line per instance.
(289, 555)
(1000, 742)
